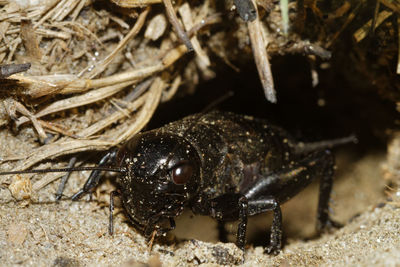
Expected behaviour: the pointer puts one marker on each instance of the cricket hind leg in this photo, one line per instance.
(268, 192)
(324, 221)
(94, 176)
(306, 148)
(222, 233)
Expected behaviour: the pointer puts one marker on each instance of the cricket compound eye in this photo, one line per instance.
(182, 173)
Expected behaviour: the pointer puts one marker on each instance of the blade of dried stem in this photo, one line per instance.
(23, 110)
(115, 116)
(393, 5)
(145, 113)
(135, 3)
(173, 19)
(187, 19)
(7, 70)
(259, 46)
(66, 9)
(132, 33)
(66, 146)
(95, 95)
(362, 32)
(349, 19)
(63, 146)
(167, 95)
(398, 45)
(38, 86)
(51, 11)
(77, 101)
(48, 85)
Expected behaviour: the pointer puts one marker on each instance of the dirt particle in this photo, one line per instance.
(21, 187)
(65, 262)
(16, 234)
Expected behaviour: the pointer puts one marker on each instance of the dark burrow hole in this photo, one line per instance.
(336, 107)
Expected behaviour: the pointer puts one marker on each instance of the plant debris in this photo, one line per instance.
(9, 69)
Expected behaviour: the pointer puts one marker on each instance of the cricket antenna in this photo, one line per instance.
(65, 170)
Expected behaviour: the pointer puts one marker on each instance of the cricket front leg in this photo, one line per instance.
(269, 204)
(94, 176)
(229, 207)
(236, 206)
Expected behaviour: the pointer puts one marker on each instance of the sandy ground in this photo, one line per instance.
(68, 233)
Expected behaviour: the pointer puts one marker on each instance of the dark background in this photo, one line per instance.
(350, 108)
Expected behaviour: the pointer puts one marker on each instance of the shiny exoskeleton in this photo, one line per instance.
(224, 165)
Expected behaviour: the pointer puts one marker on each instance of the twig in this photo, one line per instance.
(95, 95)
(78, 9)
(63, 146)
(307, 48)
(349, 19)
(361, 33)
(38, 86)
(47, 33)
(132, 33)
(247, 9)
(259, 46)
(145, 113)
(176, 25)
(167, 95)
(3, 29)
(285, 15)
(115, 116)
(30, 40)
(153, 235)
(393, 5)
(10, 45)
(135, 3)
(119, 108)
(398, 45)
(214, 18)
(65, 10)
(187, 19)
(62, 25)
(376, 12)
(56, 129)
(12, 50)
(7, 70)
(51, 11)
(21, 109)
(80, 100)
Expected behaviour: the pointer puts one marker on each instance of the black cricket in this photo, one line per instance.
(223, 165)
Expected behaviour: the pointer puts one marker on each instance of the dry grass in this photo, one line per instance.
(86, 57)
